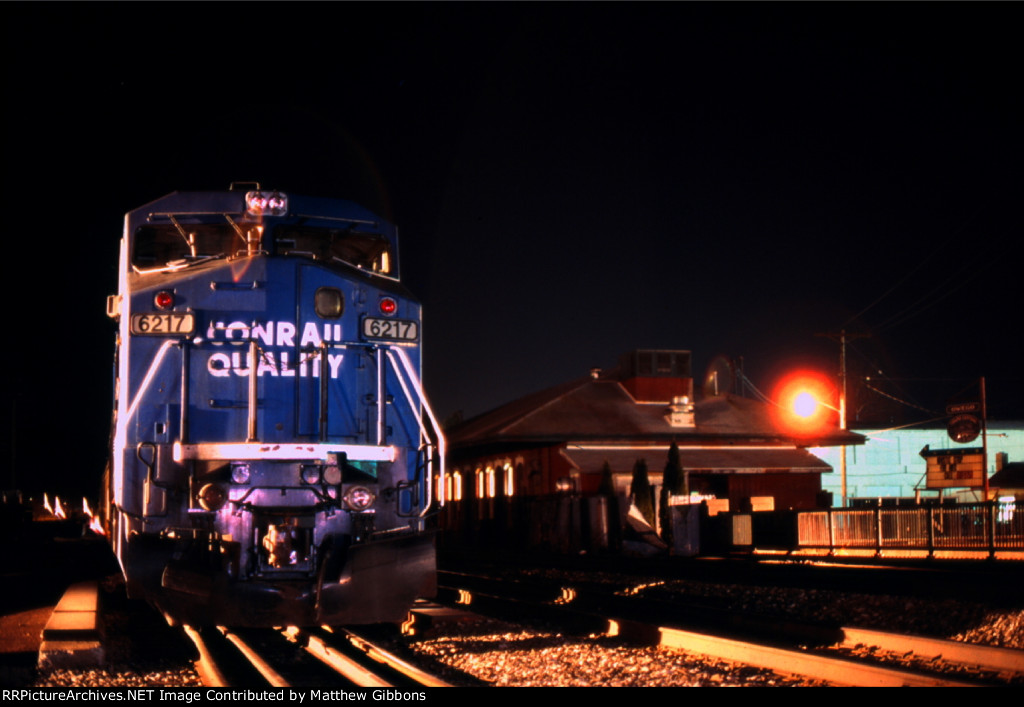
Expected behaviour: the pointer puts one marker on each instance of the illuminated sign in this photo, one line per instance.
(964, 428)
(954, 468)
(965, 422)
(961, 408)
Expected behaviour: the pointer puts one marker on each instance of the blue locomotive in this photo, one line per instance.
(274, 459)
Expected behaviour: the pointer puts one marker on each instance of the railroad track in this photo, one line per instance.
(841, 656)
(276, 660)
(283, 658)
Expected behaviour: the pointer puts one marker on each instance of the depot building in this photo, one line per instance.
(739, 452)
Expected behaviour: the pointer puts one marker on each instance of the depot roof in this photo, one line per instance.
(601, 409)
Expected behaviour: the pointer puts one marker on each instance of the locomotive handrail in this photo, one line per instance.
(121, 427)
(122, 424)
(151, 480)
(396, 354)
(253, 401)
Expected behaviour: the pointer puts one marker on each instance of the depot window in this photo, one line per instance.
(510, 480)
(481, 483)
(453, 489)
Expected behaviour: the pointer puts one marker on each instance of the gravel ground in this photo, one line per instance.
(505, 655)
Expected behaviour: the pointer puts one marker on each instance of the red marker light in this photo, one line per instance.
(163, 300)
(388, 306)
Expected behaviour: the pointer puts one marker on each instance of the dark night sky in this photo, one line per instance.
(570, 181)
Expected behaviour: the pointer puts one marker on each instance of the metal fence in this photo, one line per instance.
(982, 526)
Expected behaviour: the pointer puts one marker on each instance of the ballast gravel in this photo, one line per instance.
(504, 655)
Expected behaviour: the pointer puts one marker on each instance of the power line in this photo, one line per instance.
(761, 396)
(880, 373)
(886, 293)
(929, 299)
(898, 400)
(956, 233)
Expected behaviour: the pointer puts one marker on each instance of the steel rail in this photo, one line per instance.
(213, 674)
(990, 657)
(351, 668)
(833, 670)
(389, 659)
(347, 667)
(207, 668)
(262, 666)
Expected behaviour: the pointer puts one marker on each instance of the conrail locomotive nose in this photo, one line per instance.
(273, 456)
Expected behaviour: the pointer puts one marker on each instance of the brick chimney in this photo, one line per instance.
(657, 376)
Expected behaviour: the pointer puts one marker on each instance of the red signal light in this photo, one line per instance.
(163, 300)
(805, 404)
(802, 403)
(388, 305)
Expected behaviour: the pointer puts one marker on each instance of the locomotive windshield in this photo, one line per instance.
(172, 246)
(369, 251)
(167, 246)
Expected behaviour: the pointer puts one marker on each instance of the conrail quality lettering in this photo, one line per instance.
(283, 334)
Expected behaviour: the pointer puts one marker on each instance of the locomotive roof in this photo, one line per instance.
(233, 202)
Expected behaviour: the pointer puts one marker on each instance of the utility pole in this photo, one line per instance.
(984, 443)
(842, 338)
(842, 409)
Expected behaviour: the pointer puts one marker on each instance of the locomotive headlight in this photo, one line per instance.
(332, 475)
(259, 203)
(255, 202)
(240, 474)
(212, 497)
(277, 203)
(310, 474)
(359, 498)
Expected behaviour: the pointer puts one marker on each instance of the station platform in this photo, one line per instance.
(72, 637)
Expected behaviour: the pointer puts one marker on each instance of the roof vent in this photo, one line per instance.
(680, 412)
